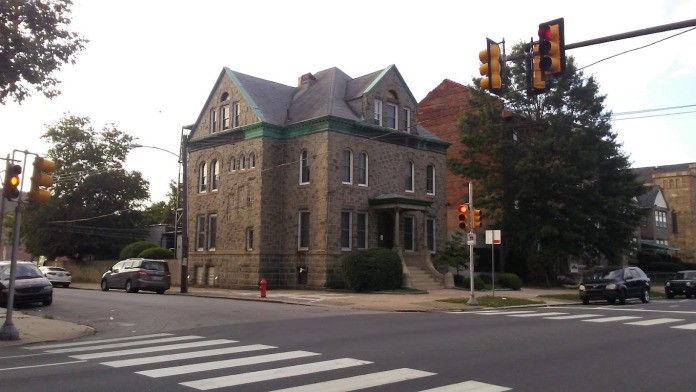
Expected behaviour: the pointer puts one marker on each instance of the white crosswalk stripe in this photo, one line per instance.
(187, 355)
(145, 350)
(611, 319)
(538, 314)
(573, 316)
(361, 382)
(685, 326)
(136, 346)
(655, 321)
(273, 374)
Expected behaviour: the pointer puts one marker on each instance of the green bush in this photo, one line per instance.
(465, 282)
(134, 249)
(156, 253)
(372, 270)
(510, 281)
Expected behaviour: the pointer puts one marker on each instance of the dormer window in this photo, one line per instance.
(377, 109)
(390, 116)
(235, 115)
(225, 120)
(405, 120)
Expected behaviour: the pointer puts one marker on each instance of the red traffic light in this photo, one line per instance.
(545, 31)
(463, 209)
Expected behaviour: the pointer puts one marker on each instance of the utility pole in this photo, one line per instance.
(472, 300)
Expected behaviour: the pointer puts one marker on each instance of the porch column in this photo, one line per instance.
(397, 241)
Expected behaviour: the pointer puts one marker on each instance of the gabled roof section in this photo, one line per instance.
(364, 84)
(652, 198)
(269, 100)
(321, 95)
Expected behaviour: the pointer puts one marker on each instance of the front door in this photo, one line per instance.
(385, 230)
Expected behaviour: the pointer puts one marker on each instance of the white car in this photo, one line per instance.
(58, 276)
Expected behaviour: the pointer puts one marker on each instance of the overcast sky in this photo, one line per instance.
(150, 64)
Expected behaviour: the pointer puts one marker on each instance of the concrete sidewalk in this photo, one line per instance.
(34, 329)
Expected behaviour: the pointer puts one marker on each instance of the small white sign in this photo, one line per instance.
(471, 239)
(493, 237)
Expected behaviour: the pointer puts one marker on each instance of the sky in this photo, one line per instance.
(151, 64)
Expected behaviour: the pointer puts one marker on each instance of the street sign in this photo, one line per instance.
(471, 239)
(493, 237)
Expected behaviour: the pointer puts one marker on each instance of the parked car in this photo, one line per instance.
(684, 283)
(58, 276)
(615, 284)
(137, 274)
(31, 286)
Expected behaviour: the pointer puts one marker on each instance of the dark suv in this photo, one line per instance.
(137, 274)
(684, 283)
(615, 284)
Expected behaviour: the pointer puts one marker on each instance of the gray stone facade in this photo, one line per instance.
(256, 196)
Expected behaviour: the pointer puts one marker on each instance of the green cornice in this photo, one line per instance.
(321, 124)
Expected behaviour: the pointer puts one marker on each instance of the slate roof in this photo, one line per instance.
(326, 93)
(647, 199)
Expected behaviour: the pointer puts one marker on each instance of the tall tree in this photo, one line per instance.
(96, 206)
(549, 171)
(35, 43)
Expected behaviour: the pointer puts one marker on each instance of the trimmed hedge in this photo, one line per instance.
(134, 249)
(510, 281)
(157, 253)
(372, 270)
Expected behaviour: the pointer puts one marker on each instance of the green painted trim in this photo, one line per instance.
(399, 200)
(246, 95)
(321, 124)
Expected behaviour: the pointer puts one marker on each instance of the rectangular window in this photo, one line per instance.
(406, 120)
(660, 219)
(250, 239)
(408, 233)
(214, 175)
(390, 116)
(430, 180)
(304, 167)
(235, 115)
(362, 231)
(212, 231)
(303, 230)
(430, 235)
(225, 117)
(347, 167)
(675, 223)
(408, 174)
(377, 112)
(362, 169)
(345, 230)
(213, 121)
(202, 178)
(200, 232)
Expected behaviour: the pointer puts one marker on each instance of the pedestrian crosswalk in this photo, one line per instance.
(216, 364)
(676, 323)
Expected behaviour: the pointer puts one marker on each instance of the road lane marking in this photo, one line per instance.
(685, 326)
(39, 366)
(469, 386)
(361, 382)
(144, 350)
(272, 374)
(187, 355)
(655, 321)
(200, 367)
(128, 344)
(610, 319)
(88, 342)
(503, 312)
(574, 316)
(538, 314)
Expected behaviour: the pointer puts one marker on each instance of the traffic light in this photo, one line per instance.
(463, 211)
(41, 179)
(552, 48)
(477, 218)
(10, 190)
(491, 67)
(538, 83)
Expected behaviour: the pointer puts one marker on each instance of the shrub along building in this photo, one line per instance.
(284, 180)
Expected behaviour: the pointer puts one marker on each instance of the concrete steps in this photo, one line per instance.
(422, 280)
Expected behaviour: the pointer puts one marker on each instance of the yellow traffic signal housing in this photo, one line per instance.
(463, 211)
(538, 82)
(552, 48)
(477, 218)
(41, 179)
(10, 190)
(491, 67)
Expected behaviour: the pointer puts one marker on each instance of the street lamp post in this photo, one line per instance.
(183, 160)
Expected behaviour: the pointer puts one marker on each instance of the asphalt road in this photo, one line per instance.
(267, 347)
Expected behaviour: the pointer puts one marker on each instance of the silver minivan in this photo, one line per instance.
(137, 274)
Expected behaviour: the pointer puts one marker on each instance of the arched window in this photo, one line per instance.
(252, 160)
(242, 162)
(304, 167)
(202, 177)
(214, 175)
(233, 164)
